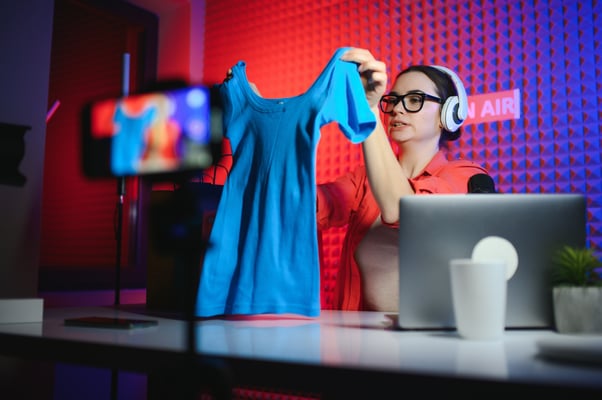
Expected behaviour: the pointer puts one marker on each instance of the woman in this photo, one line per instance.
(367, 199)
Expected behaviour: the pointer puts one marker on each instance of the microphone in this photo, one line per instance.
(481, 183)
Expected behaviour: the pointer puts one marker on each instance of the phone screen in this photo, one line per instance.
(151, 133)
(108, 322)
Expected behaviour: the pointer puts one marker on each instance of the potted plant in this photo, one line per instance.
(577, 290)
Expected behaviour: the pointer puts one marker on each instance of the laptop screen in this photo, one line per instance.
(437, 228)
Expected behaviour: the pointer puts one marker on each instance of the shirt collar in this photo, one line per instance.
(438, 161)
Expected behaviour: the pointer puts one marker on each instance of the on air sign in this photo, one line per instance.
(496, 106)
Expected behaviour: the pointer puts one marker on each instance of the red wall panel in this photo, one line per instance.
(548, 50)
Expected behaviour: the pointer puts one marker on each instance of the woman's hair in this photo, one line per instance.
(445, 88)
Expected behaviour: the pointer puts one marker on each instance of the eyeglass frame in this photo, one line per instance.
(401, 99)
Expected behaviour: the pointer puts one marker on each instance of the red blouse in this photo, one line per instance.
(349, 201)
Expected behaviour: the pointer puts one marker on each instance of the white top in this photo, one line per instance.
(343, 339)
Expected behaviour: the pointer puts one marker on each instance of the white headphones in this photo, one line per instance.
(455, 108)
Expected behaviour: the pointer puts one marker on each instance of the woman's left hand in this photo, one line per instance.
(372, 71)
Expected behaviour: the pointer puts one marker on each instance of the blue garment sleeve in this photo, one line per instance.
(347, 104)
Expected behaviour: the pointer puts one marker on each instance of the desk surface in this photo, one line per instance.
(336, 348)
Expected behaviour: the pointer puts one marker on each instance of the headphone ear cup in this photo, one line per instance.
(449, 114)
(455, 109)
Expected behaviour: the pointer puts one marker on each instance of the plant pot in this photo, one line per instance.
(578, 309)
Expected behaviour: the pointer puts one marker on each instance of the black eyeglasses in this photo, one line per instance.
(412, 102)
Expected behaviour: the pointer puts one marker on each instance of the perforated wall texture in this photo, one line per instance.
(545, 55)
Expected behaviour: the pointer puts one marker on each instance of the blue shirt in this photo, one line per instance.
(262, 255)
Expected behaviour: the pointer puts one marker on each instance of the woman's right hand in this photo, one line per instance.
(253, 86)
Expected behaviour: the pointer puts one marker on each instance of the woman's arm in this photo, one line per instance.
(387, 180)
(336, 200)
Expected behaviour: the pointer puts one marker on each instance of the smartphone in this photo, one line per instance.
(161, 132)
(108, 322)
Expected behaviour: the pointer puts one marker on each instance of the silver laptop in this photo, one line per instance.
(436, 228)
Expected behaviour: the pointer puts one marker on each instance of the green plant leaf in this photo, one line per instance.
(575, 266)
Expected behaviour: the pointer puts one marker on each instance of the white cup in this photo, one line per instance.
(479, 297)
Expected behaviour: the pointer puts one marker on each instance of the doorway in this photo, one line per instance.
(82, 238)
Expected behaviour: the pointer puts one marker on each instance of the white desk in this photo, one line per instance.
(338, 354)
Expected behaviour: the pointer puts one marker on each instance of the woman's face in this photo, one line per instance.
(422, 126)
